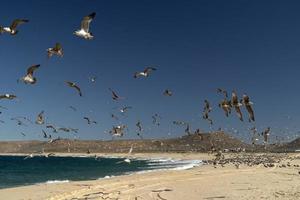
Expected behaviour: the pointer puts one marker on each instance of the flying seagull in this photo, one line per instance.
(236, 104)
(248, 104)
(13, 27)
(83, 32)
(155, 119)
(56, 50)
(73, 108)
(187, 130)
(73, 85)
(44, 134)
(114, 95)
(144, 73)
(206, 110)
(93, 79)
(180, 123)
(118, 131)
(89, 121)
(140, 129)
(124, 109)
(221, 91)
(114, 117)
(19, 122)
(8, 96)
(28, 78)
(40, 118)
(226, 106)
(52, 127)
(168, 93)
(266, 134)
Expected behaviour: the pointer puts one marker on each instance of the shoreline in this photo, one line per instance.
(202, 182)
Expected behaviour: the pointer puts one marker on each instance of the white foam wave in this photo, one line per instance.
(57, 181)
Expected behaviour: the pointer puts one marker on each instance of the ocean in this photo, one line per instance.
(15, 171)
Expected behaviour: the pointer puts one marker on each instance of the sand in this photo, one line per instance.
(203, 182)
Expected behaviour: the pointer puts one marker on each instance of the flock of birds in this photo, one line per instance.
(226, 104)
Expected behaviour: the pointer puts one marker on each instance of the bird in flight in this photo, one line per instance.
(118, 131)
(168, 93)
(13, 27)
(29, 78)
(114, 95)
(125, 109)
(248, 104)
(226, 106)
(89, 121)
(222, 91)
(84, 31)
(236, 104)
(8, 96)
(73, 85)
(56, 50)
(144, 73)
(40, 118)
(207, 109)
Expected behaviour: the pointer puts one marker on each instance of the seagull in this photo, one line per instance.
(221, 91)
(64, 129)
(52, 127)
(83, 32)
(236, 104)
(29, 156)
(118, 131)
(56, 50)
(168, 93)
(155, 119)
(114, 117)
(40, 118)
(248, 104)
(93, 79)
(114, 95)
(144, 73)
(73, 85)
(140, 129)
(73, 108)
(8, 96)
(75, 130)
(13, 27)
(23, 134)
(207, 109)
(45, 134)
(179, 123)
(89, 121)
(19, 122)
(29, 79)
(266, 134)
(124, 109)
(226, 106)
(187, 130)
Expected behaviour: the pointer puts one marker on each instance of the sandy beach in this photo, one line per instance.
(203, 182)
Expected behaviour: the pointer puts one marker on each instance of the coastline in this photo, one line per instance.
(202, 182)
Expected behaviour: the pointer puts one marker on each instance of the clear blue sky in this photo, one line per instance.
(250, 46)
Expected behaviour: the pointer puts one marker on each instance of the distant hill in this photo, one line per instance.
(191, 143)
(288, 147)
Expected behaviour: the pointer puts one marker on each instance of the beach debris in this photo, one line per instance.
(84, 31)
(147, 71)
(74, 85)
(159, 191)
(248, 104)
(56, 50)
(236, 104)
(12, 30)
(40, 118)
(29, 78)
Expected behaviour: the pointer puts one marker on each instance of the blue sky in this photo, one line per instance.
(197, 46)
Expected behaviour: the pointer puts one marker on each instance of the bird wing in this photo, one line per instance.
(251, 112)
(87, 119)
(31, 69)
(78, 89)
(149, 69)
(239, 113)
(85, 23)
(17, 22)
